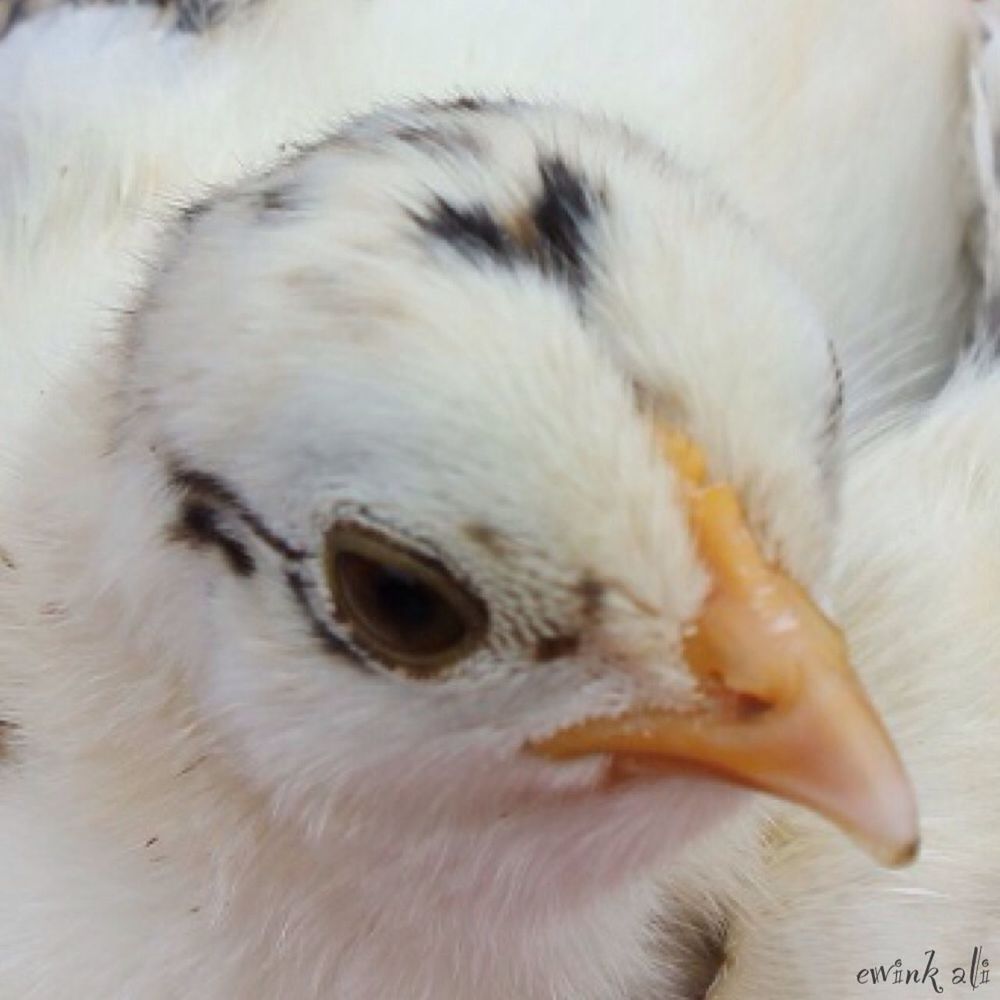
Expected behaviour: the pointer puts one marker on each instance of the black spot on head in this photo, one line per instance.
(556, 647)
(199, 525)
(471, 230)
(560, 216)
(549, 235)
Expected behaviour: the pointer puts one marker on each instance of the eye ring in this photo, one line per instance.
(402, 606)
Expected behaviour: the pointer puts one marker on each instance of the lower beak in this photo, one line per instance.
(780, 709)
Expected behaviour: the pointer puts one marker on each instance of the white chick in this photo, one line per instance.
(773, 176)
(370, 627)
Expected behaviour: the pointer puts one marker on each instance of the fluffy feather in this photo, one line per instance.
(765, 99)
(180, 815)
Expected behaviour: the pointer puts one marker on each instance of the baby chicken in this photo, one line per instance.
(371, 624)
(385, 603)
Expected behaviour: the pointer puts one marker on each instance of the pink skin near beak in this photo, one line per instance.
(782, 711)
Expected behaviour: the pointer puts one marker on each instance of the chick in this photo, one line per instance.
(427, 415)
(386, 601)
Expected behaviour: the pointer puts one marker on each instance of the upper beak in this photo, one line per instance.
(781, 710)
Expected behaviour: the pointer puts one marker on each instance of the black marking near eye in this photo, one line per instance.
(299, 589)
(211, 488)
(199, 525)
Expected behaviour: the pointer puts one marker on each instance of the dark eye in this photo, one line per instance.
(402, 606)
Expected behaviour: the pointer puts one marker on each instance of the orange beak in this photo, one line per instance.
(781, 710)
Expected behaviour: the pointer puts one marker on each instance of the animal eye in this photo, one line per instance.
(403, 607)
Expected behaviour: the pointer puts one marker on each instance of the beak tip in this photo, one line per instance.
(882, 815)
(905, 846)
(898, 855)
(906, 855)
(893, 839)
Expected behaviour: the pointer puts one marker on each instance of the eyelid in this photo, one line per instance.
(351, 539)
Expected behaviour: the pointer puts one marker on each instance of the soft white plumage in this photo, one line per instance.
(838, 129)
(205, 801)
